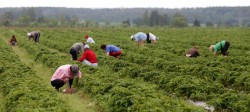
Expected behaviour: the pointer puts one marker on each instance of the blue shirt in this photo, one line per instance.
(112, 48)
(140, 36)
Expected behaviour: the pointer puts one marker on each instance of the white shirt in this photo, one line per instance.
(152, 36)
(90, 40)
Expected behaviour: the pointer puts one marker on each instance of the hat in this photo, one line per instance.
(74, 69)
(132, 36)
(86, 46)
(28, 34)
(86, 36)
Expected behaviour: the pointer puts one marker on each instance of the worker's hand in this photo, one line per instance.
(215, 53)
(66, 80)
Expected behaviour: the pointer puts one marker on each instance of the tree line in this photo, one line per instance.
(85, 17)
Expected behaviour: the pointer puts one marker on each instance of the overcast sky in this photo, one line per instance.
(123, 3)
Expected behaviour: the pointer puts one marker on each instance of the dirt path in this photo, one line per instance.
(77, 102)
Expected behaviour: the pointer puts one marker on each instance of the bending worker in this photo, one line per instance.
(76, 49)
(65, 75)
(193, 52)
(88, 57)
(89, 39)
(35, 35)
(111, 50)
(220, 46)
(141, 37)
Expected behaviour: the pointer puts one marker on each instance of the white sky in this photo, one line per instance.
(122, 3)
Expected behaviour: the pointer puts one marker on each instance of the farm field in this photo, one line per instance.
(155, 78)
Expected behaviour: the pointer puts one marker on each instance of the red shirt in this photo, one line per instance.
(89, 55)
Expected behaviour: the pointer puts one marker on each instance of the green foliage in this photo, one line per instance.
(23, 90)
(66, 17)
(154, 77)
(197, 23)
(179, 20)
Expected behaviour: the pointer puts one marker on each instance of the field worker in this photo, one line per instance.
(35, 35)
(151, 38)
(76, 49)
(111, 50)
(220, 46)
(89, 39)
(13, 40)
(193, 52)
(65, 75)
(88, 57)
(140, 38)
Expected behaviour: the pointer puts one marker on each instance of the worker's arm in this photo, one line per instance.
(142, 42)
(215, 53)
(107, 53)
(82, 57)
(154, 42)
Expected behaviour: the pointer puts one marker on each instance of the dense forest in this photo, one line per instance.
(86, 17)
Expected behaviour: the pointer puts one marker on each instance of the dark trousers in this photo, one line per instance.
(13, 43)
(37, 36)
(73, 52)
(148, 40)
(59, 83)
(195, 54)
(225, 48)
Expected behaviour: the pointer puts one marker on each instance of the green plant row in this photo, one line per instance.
(114, 95)
(205, 78)
(216, 77)
(24, 91)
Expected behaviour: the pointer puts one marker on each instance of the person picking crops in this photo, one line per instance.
(193, 52)
(111, 50)
(35, 35)
(13, 40)
(220, 46)
(140, 38)
(89, 39)
(88, 57)
(151, 38)
(65, 75)
(76, 49)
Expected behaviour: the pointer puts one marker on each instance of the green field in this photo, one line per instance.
(156, 78)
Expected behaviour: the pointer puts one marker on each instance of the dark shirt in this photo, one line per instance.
(193, 52)
(13, 40)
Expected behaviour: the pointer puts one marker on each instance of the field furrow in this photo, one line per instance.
(150, 78)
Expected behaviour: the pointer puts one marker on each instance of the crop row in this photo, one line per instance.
(22, 89)
(198, 79)
(158, 58)
(112, 92)
(206, 78)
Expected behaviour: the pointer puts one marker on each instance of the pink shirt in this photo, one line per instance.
(64, 72)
